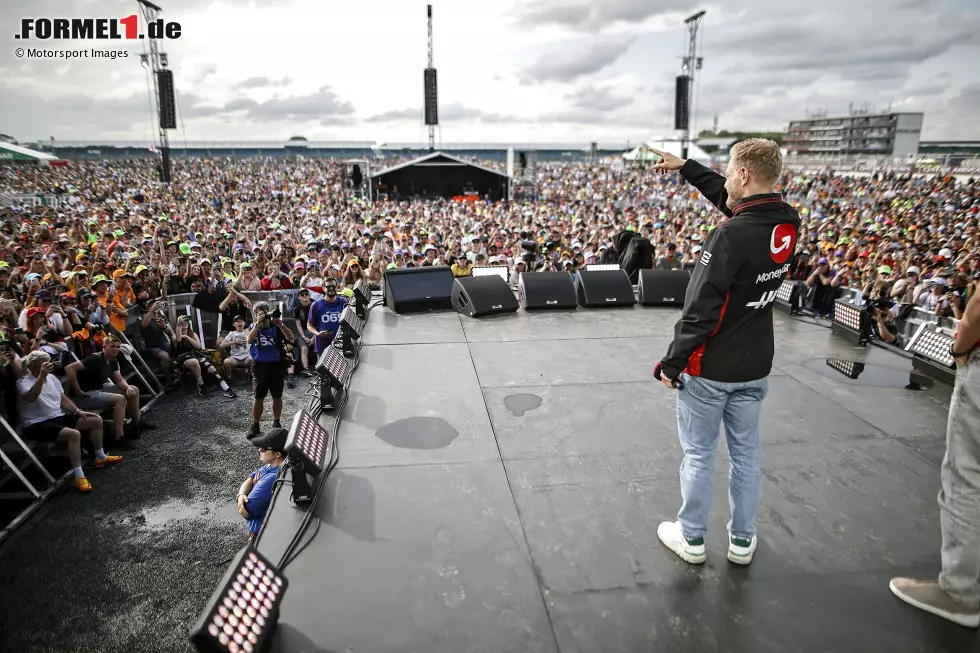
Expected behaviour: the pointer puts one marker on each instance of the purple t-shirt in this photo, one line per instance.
(325, 316)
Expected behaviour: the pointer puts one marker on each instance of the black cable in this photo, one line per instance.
(292, 552)
(289, 554)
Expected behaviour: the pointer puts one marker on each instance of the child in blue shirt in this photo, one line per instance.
(255, 494)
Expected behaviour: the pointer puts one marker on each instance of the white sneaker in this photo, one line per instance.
(672, 536)
(927, 595)
(741, 550)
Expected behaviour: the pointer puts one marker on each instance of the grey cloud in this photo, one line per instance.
(593, 98)
(397, 115)
(78, 116)
(263, 82)
(595, 16)
(855, 40)
(575, 62)
(592, 117)
(314, 106)
(453, 112)
(968, 100)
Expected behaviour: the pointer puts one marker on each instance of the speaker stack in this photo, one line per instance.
(605, 289)
(408, 290)
(479, 296)
(541, 291)
(663, 287)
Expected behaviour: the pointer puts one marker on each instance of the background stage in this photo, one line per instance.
(501, 481)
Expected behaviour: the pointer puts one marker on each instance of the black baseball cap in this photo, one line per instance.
(274, 440)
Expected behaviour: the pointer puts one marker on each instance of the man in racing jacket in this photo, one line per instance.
(723, 344)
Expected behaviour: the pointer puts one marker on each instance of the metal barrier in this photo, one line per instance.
(208, 325)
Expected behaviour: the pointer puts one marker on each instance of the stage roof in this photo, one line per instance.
(11, 152)
(438, 159)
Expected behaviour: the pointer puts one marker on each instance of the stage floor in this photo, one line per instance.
(501, 481)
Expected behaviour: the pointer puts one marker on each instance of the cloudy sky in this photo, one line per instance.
(569, 71)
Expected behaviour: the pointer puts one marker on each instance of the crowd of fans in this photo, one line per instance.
(117, 244)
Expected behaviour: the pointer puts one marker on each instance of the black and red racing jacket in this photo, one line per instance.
(725, 332)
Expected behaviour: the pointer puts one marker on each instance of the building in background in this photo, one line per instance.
(871, 136)
(951, 153)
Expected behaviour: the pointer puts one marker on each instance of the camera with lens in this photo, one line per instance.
(530, 255)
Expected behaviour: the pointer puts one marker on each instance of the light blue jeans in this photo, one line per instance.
(959, 500)
(702, 406)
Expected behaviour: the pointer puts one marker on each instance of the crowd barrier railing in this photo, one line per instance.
(208, 326)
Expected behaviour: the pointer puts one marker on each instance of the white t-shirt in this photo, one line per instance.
(239, 345)
(46, 406)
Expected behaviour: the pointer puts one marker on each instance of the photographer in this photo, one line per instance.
(157, 336)
(268, 338)
(884, 315)
(187, 349)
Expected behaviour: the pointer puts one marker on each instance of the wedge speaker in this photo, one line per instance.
(605, 289)
(408, 290)
(663, 287)
(547, 291)
(479, 296)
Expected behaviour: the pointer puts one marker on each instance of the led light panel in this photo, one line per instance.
(243, 609)
(601, 267)
(933, 345)
(850, 369)
(491, 270)
(309, 440)
(362, 292)
(847, 315)
(334, 365)
(350, 320)
(785, 292)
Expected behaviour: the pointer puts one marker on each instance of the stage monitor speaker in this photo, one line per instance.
(605, 289)
(168, 114)
(547, 290)
(663, 287)
(409, 290)
(681, 106)
(479, 296)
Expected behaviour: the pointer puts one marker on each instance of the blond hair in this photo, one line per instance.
(760, 156)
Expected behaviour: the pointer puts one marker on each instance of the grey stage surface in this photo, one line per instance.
(501, 481)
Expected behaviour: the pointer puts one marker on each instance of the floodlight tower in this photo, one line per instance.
(431, 94)
(690, 63)
(163, 88)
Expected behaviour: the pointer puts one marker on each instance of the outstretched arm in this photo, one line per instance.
(708, 182)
